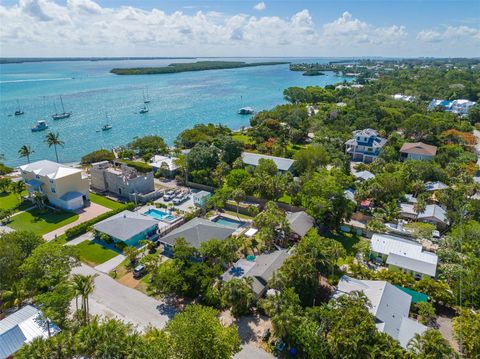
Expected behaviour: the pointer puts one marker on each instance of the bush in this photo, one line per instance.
(139, 166)
(85, 226)
(121, 245)
(4, 170)
(97, 156)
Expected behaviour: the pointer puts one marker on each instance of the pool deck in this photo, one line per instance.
(161, 223)
(240, 230)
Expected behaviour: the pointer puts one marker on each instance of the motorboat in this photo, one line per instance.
(106, 127)
(40, 126)
(246, 111)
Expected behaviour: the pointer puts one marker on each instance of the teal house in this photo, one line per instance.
(128, 227)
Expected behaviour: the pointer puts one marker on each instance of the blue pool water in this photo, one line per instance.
(228, 222)
(157, 214)
(89, 90)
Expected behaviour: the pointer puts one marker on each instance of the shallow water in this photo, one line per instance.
(91, 93)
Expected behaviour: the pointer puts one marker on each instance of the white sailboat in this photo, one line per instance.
(63, 114)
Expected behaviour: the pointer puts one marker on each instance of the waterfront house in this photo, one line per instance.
(459, 106)
(403, 255)
(128, 227)
(123, 181)
(22, 327)
(417, 151)
(195, 232)
(65, 187)
(200, 198)
(389, 305)
(166, 165)
(299, 223)
(260, 269)
(365, 146)
(252, 159)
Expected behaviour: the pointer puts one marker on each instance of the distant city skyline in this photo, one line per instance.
(56, 28)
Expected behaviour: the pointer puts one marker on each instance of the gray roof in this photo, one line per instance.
(364, 175)
(283, 164)
(125, 225)
(300, 222)
(434, 211)
(22, 327)
(435, 186)
(408, 329)
(197, 231)
(413, 264)
(389, 305)
(261, 269)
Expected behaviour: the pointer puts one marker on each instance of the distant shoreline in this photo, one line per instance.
(21, 60)
(192, 66)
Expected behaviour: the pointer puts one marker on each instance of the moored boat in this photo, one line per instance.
(246, 111)
(40, 126)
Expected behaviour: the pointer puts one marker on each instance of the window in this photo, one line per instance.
(53, 189)
(37, 177)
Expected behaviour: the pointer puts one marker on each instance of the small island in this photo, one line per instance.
(192, 66)
(313, 73)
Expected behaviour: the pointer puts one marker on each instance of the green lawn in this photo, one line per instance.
(348, 240)
(40, 222)
(241, 216)
(10, 201)
(94, 254)
(104, 201)
(245, 139)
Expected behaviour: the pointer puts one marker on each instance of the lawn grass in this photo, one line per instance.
(245, 139)
(105, 202)
(41, 222)
(10, 201)
(348, 240)
(233, 213)
(94, 254)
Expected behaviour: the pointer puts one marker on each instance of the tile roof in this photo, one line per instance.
(419, 148)
(283, 164)
(197, 231)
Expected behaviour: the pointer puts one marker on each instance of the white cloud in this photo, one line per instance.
(85, 28)
(450, 33)
(260, 6)
(347, 31)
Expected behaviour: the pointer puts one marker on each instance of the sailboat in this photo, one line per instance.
(18, 111)
(144, 109)
(146, 99)
(60, 116)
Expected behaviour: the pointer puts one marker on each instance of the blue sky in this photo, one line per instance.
(239, 28)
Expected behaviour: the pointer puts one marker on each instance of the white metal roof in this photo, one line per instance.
(424, 262)
(389, 305)
(50, 169)
(157, 161)
(283, 164)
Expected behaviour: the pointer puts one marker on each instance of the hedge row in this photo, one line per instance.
(139, 166)
(85, 226)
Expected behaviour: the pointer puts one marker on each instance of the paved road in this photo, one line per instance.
(113, 299)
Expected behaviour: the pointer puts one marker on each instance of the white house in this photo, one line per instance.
(21, 328)
(389, 305)
(65, 187)
(252, 159)
(365, 146)
(403, 255)
(461, 107)
(401, 97)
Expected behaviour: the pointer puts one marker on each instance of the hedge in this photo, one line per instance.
(139, 166)
(85, 226)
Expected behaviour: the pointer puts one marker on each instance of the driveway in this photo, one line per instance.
(111, 264)
(112, 299)
(85, 214)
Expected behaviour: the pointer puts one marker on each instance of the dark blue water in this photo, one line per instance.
(89, 91)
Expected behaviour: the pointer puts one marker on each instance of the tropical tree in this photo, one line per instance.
(83, 286)
(238, 295)
(466, 329)
(26, 151)
(430, 344)
(53, 139)
(18, 188)
(238, 196)
(132, 254)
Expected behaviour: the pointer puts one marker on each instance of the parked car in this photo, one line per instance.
(139, 271)
(167, 197)
(179, 200)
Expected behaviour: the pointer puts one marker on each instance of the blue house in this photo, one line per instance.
(128, 227)
(365, 146)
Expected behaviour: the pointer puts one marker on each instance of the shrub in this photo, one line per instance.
(85, 226)
(139, 166)
(121, 245)
(97, 156)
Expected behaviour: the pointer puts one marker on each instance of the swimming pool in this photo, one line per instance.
(228, 222)
(160, 215)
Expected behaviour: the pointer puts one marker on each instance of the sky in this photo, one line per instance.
(236, 28)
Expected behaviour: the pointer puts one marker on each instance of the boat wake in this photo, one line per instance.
(36, 80)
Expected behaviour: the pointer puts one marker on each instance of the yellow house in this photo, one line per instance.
(65, 187)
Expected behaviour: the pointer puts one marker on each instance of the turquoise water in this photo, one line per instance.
(228, 222)
(157, 214)
(178, 101)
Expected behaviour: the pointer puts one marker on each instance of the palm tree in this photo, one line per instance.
(26, 151)
(18, 188)
(83, 286)
(53, 139)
